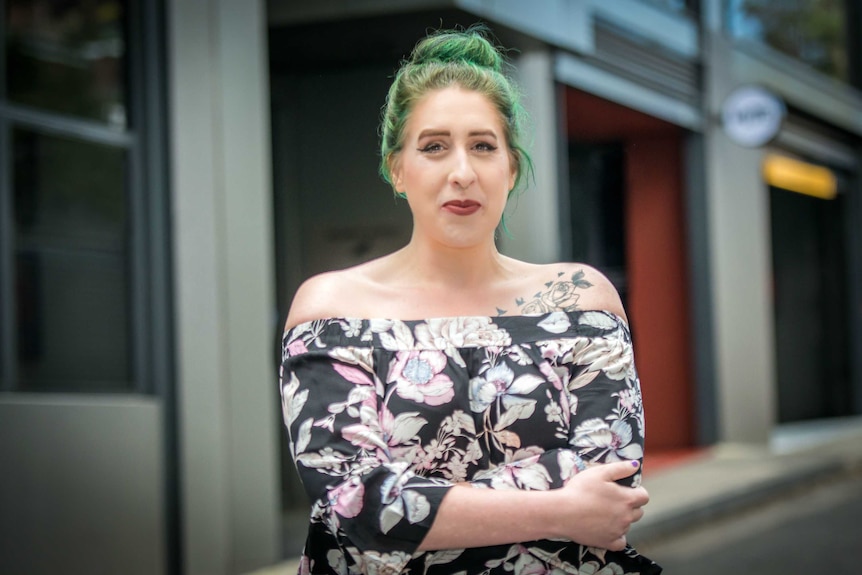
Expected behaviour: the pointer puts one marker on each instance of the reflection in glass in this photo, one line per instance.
(71, 264)
(675, 5)
(68, 57)
(812, 31)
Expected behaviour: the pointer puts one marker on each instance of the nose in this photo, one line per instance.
(462, 174)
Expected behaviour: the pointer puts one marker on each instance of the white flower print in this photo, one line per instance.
(352, 327)
(556, 322)
(386, 399)
(499, 381)
(461, 332)
(599, 320)
(418, 377)
(337, 562)
(377, 563)
(612, 441)
(522, 473)
(400, 502)
(612, 356)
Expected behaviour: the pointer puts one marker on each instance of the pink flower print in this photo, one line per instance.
(551, 375)
(296, 347)
(346, 499)
(418, 377)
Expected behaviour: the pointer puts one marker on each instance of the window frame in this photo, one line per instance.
(146, 199)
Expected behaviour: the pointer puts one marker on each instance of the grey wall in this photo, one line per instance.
(81, 487)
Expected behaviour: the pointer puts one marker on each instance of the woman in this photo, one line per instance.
(451, 409)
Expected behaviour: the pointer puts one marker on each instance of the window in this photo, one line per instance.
(814, 32)
(75, 253)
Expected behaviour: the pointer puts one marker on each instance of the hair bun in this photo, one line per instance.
(470, 46)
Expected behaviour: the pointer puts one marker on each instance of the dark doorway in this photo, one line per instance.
(811, 328)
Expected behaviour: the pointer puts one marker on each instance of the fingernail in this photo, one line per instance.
(635, 463)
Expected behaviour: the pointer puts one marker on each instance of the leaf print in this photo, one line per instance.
(363, 436)
(292, 402)
(352, 374)
(442, 557)
(516, 408)
(526, 564)
(324, 459)
(525, 384)
(361, 357)
(400, 337)
(303, 436)
(380, 325)
(391, 515)
(556, 322)
(508, 438)
(599, 320)
(585, 378)
(514, 551)
(406, 426)
(405, 502)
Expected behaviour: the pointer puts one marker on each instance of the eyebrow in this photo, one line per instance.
(431, 133)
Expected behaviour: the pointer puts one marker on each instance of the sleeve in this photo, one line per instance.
(610, 423)
(365, 498)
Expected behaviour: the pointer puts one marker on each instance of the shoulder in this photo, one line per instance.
(573, 286)
(320, 297)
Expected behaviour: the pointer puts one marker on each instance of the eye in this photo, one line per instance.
(485, 147)
(431, 148)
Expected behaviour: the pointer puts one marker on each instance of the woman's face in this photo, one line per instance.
(454, 167)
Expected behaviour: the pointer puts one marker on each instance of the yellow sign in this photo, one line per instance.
(801, 177)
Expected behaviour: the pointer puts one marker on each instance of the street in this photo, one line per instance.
(817, 530)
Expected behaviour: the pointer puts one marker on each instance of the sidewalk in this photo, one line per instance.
(728, 478)
(694, 487)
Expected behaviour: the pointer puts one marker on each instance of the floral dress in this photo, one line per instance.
(384, 416)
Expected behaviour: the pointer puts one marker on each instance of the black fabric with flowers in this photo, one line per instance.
(384, 416)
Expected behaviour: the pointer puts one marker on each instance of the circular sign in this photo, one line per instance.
(752, 116)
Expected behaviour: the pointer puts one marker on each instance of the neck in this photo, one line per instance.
(453, 268)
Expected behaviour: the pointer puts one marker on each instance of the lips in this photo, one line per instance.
(462, 207)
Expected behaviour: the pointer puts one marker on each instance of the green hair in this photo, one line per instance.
(464, 58)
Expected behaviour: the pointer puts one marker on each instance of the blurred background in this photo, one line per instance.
(171, 170)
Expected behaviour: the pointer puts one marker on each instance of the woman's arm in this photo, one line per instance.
(591, 509)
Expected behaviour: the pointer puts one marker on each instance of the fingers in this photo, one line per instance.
(617, 544)
(621, 469)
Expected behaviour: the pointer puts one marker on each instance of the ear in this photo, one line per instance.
(513, 171)
(395, 172)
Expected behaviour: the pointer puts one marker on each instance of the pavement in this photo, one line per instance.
(689, 488)
(729, 478)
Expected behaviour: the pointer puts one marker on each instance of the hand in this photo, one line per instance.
(597, 511)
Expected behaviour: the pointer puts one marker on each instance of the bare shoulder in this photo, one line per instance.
(320, 297)
(570, 286)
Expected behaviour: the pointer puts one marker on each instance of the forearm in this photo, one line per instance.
(474, 517)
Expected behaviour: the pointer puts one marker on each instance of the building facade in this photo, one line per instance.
(171, 171)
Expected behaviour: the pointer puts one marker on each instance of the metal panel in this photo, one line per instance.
(81, 489)
(580, 74)
(646, 62)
